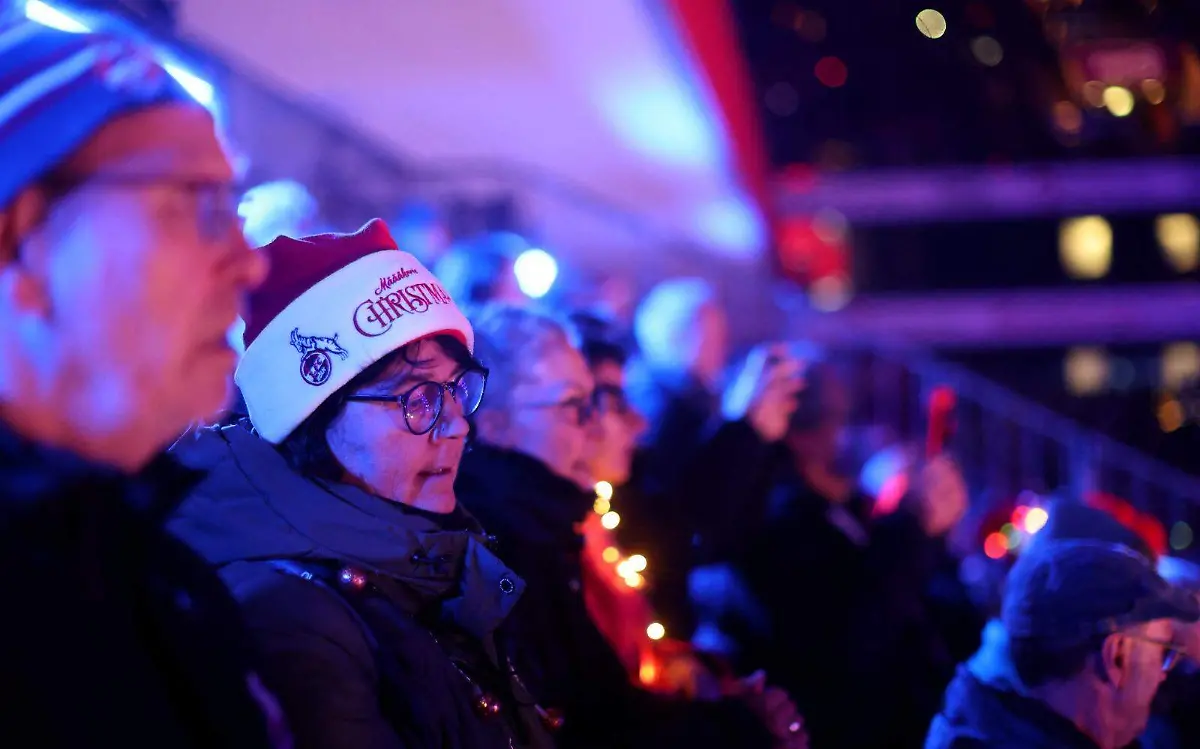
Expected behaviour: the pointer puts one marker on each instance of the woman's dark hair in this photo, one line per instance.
(307, 449)
(600, 340)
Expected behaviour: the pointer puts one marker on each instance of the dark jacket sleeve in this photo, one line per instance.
(315, 658)
(901, 559)
(732, 467)
(893, 637)
(713, 474)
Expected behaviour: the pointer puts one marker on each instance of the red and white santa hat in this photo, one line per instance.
(333, 305)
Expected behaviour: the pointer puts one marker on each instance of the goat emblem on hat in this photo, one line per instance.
(316, 366)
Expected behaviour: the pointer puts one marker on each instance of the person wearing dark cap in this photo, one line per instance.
(1066, 520)
(1090, 629)
(121, 269)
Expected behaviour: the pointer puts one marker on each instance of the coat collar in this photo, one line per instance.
(31, 471)
(518, 497)
(254, 506)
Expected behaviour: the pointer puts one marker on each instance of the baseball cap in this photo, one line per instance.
(57, 89)
(1066, 591)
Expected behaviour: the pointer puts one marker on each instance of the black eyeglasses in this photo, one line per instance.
(422, 403)
(604, 399)
(1172, 653)
(215, 201)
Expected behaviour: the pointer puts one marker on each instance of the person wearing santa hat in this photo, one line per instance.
(121, 267)
(331, 511)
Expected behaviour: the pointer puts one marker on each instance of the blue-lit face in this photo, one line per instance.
(143, 269)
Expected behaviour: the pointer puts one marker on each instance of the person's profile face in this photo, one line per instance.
(619, 425)
(147, 267)
(551, 416)
(1141, 675)
(372, 442)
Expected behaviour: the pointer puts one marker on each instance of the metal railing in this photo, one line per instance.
(1007, 443)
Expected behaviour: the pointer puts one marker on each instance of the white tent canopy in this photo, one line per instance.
(595, 96)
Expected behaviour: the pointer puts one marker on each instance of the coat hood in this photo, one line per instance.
(253, 506)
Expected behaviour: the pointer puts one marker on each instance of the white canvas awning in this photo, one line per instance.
(583, 103)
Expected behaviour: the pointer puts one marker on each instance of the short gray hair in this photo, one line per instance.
(508, 339)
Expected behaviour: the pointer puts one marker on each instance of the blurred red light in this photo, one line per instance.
(995, 546)
(831, 72)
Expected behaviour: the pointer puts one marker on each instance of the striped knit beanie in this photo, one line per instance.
(57, 89)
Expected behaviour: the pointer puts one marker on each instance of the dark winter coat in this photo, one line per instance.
(114, 632)
(376, 622)
(995, 715)
(845, 622)
(572, 667)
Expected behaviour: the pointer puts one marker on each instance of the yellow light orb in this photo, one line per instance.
(610, 555)
(637, 563)
(1035, 519)
(610, 520)
(1118, 100)
(1179, 236)
(931, 23)
(1085, 246)
(604, 490)
(656, 631)
(601, 505)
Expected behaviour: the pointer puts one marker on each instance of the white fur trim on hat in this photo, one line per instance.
(337, 328)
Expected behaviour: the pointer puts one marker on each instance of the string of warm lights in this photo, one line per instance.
(629, 568)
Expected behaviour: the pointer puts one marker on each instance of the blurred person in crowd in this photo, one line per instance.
(620, 423)
(272, 209)
(278, 209)
(420, 230)
(530, 480)
(622, 613)
(849, 634)
(122, 268)
(331, 513)
(708, 454)
(1173, 722)
(1090, 639)
(481, 270)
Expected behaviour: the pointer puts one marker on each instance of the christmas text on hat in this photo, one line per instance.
(333, 305)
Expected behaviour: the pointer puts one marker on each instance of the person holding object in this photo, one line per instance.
(530, 480)
(332, 515)
(709, 454)
(121, 268)
(871, 638)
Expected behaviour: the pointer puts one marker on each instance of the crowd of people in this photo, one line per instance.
(383, 538)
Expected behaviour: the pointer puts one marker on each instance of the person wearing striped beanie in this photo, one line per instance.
(121, 268)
